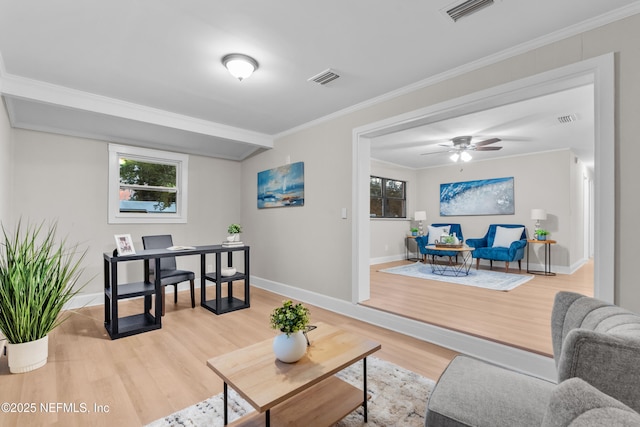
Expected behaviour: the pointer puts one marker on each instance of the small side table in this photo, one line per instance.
(547, 256)
(406, 248)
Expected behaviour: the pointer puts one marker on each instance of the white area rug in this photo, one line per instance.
(486, 279)
(398, 398)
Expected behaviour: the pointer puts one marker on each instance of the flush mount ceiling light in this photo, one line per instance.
(240, 66)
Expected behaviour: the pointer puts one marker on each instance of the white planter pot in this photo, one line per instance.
(25, 357)
(290, 349)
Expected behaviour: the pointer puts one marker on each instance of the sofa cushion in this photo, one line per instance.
(506, 236)
(474, 393)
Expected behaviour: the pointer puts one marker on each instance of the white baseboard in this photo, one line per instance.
(389, 258)
(511, 357)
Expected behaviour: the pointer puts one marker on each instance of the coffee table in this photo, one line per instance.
(303, 393)
(451, 268)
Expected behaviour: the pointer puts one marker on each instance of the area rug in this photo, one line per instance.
(486, 279)
(398, 398)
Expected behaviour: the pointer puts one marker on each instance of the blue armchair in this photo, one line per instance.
(484, 248)
(422, 242)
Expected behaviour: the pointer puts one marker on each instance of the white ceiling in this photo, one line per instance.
(148, 72)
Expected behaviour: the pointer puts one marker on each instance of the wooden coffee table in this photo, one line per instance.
(303, 393)
(451, 268)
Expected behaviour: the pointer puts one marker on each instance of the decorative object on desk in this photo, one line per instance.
(414, 231)
(37, 278)
(227, 271)
(282, 186)
(486, 279)
(538, 215)
(233, 244)
(291, 320)
(420, 216)
(541, 234)
(398, 398)
(481, 197)
(234, 231)
(124, 244)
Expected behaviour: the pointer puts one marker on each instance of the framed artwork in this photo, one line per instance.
(124, 244)
(281, 186)
(480, 197)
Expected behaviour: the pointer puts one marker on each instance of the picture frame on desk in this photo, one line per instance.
(124, 244)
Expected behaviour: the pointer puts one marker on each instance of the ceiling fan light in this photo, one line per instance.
(240, 66)
(454, 157)
(465, 157)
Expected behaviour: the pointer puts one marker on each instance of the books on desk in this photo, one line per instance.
(227, 244)
(180, 248)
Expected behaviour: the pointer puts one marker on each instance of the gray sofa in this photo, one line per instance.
(596, 349)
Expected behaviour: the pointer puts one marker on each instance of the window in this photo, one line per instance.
(147, 186)
(387, 198)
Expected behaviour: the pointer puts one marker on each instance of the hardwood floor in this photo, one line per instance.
(138, 379)
(520, 317)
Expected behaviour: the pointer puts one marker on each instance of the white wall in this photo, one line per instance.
(388, 241)
(65, 178)
(5, 166)
(318, 258)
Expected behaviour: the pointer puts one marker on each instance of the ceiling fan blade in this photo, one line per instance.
(436, 152)
(487, 142)
(488, 148)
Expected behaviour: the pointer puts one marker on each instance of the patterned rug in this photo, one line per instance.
(486, 279)
(398, 398)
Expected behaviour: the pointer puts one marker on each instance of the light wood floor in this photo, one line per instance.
(520, 317)
(147, 376)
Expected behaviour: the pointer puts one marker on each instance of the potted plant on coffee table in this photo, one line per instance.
(291, 320)
(37, 278)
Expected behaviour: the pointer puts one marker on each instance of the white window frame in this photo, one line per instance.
(181, 161)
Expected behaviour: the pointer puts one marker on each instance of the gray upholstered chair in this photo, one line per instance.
(169, 273)
(594, 341)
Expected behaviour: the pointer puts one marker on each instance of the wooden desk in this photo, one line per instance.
(305, 393)
(547, 256)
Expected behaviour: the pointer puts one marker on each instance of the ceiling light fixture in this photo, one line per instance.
(240, 66)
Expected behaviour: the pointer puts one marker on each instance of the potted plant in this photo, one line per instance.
(37, 278)
(234, 231)
(291, 320)
(542, 234)
(414, 231)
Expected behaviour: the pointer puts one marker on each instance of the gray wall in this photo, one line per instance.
(5, 167)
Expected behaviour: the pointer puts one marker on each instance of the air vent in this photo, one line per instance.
(324, 77)
(568, 119)
(467, 8)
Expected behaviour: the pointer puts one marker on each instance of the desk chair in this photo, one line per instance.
(169, 274)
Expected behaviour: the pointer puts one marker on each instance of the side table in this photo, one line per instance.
(407, 242)
(547, 256)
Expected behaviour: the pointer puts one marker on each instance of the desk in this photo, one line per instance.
(148, 320)
(547, 256)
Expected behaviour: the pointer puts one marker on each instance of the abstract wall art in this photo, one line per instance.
(281, 186)
(480, 197)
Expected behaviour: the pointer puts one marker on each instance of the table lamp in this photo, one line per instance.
(420, 216)
(538, 215)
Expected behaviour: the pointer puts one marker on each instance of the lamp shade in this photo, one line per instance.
(420, 216)
(538, 214)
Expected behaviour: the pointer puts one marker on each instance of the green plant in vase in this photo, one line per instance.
(542, 234)
(291, 320)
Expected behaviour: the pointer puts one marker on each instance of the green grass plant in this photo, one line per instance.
(38, 276)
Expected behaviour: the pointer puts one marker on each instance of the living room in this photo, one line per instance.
(303, 252)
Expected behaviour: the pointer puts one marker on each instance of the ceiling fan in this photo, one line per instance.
(462, 144)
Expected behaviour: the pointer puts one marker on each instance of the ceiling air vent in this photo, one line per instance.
(568, 118)
(324, 77)
(467, 8)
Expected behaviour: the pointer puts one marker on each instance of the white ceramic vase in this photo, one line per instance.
(25, 357)
(290, 349)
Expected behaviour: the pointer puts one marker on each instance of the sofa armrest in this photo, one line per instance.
(575, 403)
(516, 246)
(607, 361)
(477, 243)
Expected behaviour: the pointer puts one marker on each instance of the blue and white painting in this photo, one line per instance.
(281, 186)
(481, 197)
